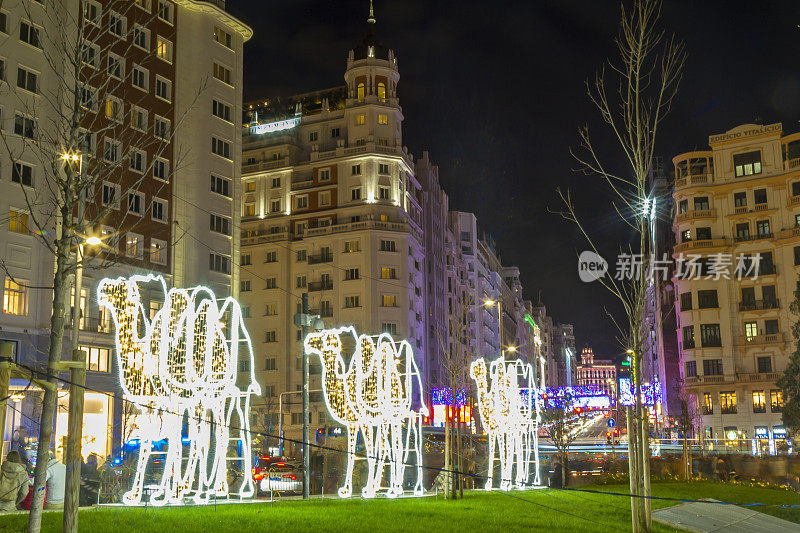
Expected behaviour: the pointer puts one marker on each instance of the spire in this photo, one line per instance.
(371, 20)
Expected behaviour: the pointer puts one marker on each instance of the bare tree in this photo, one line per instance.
(633, 94)
(84, 97)
(560, 424)
(687, 420)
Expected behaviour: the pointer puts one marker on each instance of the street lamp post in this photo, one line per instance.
(499, 302)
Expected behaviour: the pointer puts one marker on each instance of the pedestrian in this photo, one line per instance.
(55, 483)
(90, 481)
(13, 482)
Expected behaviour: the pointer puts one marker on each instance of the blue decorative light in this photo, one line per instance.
(444, 396)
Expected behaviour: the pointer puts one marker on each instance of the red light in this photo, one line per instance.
(266, 457)
(290, 476)
(608, 433)
(280, 464)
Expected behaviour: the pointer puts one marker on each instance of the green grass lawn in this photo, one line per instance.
(546, 510)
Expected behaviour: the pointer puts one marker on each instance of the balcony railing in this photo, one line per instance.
(697, 213)
(760, 376)
(794, 200)
(759, 305)
(761, 207)
(792, 163)
(694, 179)
(704, 243)
(320, 258)
(92, 325)
(324, 285)
(771, 338)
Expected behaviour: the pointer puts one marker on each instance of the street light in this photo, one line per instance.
(499, 302)
(511, 349)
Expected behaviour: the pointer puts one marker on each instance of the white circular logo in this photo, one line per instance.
(591, 266)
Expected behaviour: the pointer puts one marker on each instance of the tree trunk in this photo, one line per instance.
(447, 469)
(564, 480)
(648, 516)
(632, 469)
(57, 322)
(460, 457)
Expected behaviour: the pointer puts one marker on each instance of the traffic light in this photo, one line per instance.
(608, 437)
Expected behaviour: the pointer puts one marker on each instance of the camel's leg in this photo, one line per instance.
(352, 434)
(134, 496)
(490, 472)
(247, 488)
(371, 438)
(418, 446)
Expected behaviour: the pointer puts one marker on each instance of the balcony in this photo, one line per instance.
(713, 379)
(357, 226)
(701, 244)
(756, 237)
(696, 214)
(261, 237)
(264, 165)
(323, 285)
(792, 163)
(794, 200)
(316, 259)
(325, 312)
(759, 305)
(759, 376)
(91, 325)
(756, 340)
(694, 179)
(761, 207)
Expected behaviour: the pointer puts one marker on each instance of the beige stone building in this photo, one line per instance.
(741, 197)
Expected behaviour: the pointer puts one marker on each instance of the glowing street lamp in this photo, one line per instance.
(499, 302)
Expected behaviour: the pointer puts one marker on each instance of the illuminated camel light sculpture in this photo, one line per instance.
(180, 368)
(373, 395)
(507, 414)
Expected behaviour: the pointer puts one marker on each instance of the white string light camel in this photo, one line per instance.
(180, 370)
(373, 395)
(510, 416)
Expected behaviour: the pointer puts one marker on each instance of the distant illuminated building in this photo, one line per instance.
(599, 373)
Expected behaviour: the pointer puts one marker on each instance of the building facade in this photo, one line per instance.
(739, 200)
(598, 373)
(147, 127)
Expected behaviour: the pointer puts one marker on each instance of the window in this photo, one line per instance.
(743, 231)
(27, 80)
(159, 209)
(18, 221)
(28, 33)
(760, 196)
(271, 364)
(686, 235)
(110, 194)
(135, 202)
(388, 300)
(355, 170)
(89, 54)
(161, 128)
(165, 11)
(91, 13)
(712, 367)
(750, 330)
(361, 120)
(351, 274)
(245, 260)
(352, 301)
(301, 282)
(163, 49)
(97, 358)
(158, 251)
(389, 327)
(271, 257)
(301, 202)
(220, 224)
(115, 68)
(141, 37)
(301, 255)
(708, 404)
(219, 263)
(89, 98)
(161, 169)
(134, 245)
(707, 299)
(137, 160)
(710, 335)
(351, 246)
(740, 199)
(22, 174)
(762, 228)
(388, 246)
(222, 37)
(690, 369)
(764, 365)
(747, 164)
(24, 126)
(270, 310)
(325, 174)
(325, 198)
(355, 193)
(768, 296)
(313, 136)
(796, 188)
(163, 89)
(383, 168)
(272, 283)
(250, 210)
(683, 206)
(223, 111)
(381, 90)
(388, 273)
(334, 133)
(775, 400)
(703, 234)
(220, 185)
(384, 193)
(771, 327)
(383, 119)
(221, 148)
(361, 91)
(727, 402)
(759, 402)
(222, 74)
(116, 24)
(139, 77)
(114, 109)
(686, 301)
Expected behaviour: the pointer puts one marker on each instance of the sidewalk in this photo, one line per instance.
(708, 517)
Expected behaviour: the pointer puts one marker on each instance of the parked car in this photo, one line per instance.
(278, 475)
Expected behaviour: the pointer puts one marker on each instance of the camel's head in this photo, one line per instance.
(115, 294)
(322, 343)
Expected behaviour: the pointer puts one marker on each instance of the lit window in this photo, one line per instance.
(222, 37)
(163, 49)
(383, 119)
(18, 221)
(114, 109)
(15, 297)
(133, 245)
(388, 273)
(352, 301)
(96, 358)
(325, 198)
(389, 300)
(382, 93)
(351, 246)
(250, 210)
(158, 252)
(361, 120)
(361, 91)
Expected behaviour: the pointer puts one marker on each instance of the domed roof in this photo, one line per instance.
(370, 46)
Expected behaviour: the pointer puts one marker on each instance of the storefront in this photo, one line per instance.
(97, 424)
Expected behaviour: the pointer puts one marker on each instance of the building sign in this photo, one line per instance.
(179, 371)
(755, 130)
(269, 127)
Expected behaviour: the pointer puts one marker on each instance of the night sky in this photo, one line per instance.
(495, 92)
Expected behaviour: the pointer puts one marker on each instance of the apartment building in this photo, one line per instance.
(149, 130)
(740, 198)
(332, 207)
(598, 373)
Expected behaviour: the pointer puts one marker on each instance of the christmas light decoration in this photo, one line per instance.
(180, 370)
(651, 392)
(510, 415)
(373, 395)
